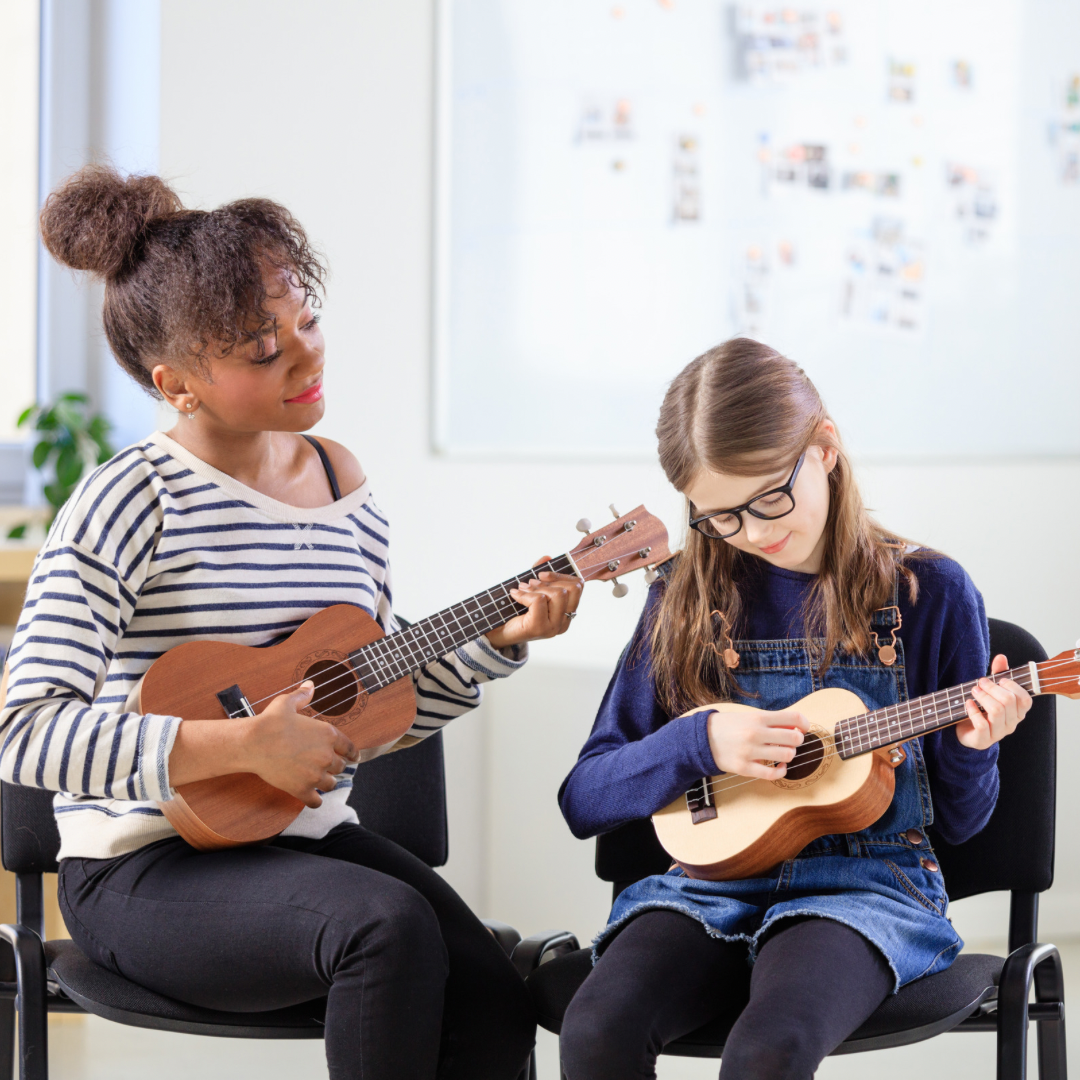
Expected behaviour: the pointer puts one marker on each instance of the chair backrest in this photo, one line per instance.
(1016, 849)
(1014, 852)
(400, 796)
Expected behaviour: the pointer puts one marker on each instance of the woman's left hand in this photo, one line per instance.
(995, 711)
(551, 600)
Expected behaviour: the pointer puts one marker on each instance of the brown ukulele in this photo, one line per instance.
(841, 780)
(362, 677)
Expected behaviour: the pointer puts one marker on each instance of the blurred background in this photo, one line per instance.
(534, 216)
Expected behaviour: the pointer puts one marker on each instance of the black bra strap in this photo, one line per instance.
(330, 474)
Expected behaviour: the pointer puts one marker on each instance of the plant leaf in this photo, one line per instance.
(17, 532)
(69, 467)
(25, 415)
(56, 495)
(41, 453)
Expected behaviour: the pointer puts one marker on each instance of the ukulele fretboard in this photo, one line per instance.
(908, 719)
(391, 658)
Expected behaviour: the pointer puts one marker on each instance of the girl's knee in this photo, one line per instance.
(602, 1043)
(775, 1052)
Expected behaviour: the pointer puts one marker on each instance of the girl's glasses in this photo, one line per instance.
(778, 503)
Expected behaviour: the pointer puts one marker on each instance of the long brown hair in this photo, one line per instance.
(742, 408)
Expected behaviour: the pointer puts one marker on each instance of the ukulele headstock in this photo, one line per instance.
(1061, 674)
(631, 542)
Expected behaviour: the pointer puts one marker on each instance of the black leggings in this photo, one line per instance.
(416, 987)
(815, 981)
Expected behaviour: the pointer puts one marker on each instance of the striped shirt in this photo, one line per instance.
(156, 548)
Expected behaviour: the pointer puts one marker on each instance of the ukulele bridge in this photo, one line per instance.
(235, 703)
(699, 802)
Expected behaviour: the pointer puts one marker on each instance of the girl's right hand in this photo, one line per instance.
(746, 743)
(294, 752)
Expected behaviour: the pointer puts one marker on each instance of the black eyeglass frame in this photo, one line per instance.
(737, 511)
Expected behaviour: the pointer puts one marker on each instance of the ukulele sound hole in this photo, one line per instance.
(808, 757)
(335, 687)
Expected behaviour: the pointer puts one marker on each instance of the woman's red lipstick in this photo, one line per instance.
(308, 397)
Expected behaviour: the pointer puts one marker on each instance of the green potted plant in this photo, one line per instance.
(71, 440)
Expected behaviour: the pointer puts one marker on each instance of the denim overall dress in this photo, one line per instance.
(882, 881)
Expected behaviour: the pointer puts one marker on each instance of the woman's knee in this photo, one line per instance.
(397, 927)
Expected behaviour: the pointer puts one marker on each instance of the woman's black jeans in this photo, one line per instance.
(416, 987)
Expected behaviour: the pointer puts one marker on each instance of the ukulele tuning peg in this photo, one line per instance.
(650, 576)
(619, 589)
(614, 512)
(584, 525)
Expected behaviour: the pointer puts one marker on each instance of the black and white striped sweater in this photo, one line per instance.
(156, 548)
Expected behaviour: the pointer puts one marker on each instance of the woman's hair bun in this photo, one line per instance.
(95, 219)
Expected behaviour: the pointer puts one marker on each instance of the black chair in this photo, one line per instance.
(401, 796)
(978, 992)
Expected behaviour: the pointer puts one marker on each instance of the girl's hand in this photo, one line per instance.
(747, 743)
(550, 598)
(994, 711)
(294, 752)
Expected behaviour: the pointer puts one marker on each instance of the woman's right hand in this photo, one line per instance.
(747, 743)
(294, 752)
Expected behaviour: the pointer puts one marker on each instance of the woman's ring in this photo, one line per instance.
(570, 614)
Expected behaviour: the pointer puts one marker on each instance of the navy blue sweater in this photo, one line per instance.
(638, 759)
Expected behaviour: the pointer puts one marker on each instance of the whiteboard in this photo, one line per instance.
(887, 191)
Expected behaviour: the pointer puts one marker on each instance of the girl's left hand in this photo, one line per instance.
(551, 599)
(1003, 706)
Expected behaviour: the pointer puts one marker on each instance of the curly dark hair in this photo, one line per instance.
(180, 285)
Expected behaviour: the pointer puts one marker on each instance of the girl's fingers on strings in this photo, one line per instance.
(781, 736)
(759, 770)
(789, 718)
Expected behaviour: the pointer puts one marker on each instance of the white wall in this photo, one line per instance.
(328, 108)
(18, 204)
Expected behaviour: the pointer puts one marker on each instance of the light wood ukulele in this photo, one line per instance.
(841, 780)
(362, 678)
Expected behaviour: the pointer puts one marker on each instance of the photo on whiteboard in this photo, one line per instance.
(686, 179)
(800, 166)
(883, 184)
(778, 43)
(1064, 130)
(884, 282)
(900, 85)
(609, 119)
(975, 202)
(960, 73)
(755, 272)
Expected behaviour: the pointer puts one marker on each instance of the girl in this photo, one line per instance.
(784, 587)
(235, 527)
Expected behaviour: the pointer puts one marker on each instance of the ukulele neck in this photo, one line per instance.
(393, 657)
(909, 719)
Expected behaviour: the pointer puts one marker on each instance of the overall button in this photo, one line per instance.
(929, 864)
(914, 837)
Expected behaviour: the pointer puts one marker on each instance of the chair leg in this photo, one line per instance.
(529, 1072)
(7, 1039)
(1050, 986)
(1020, 971)
(33, 1015)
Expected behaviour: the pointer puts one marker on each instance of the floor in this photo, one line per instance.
(87, 1048)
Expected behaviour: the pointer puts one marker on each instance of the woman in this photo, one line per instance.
(235, 527)
(786, 586)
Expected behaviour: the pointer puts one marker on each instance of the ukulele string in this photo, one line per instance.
(350, 673)
(733, 781)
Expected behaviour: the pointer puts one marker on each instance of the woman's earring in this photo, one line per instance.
(728, 654)
(190, 415)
